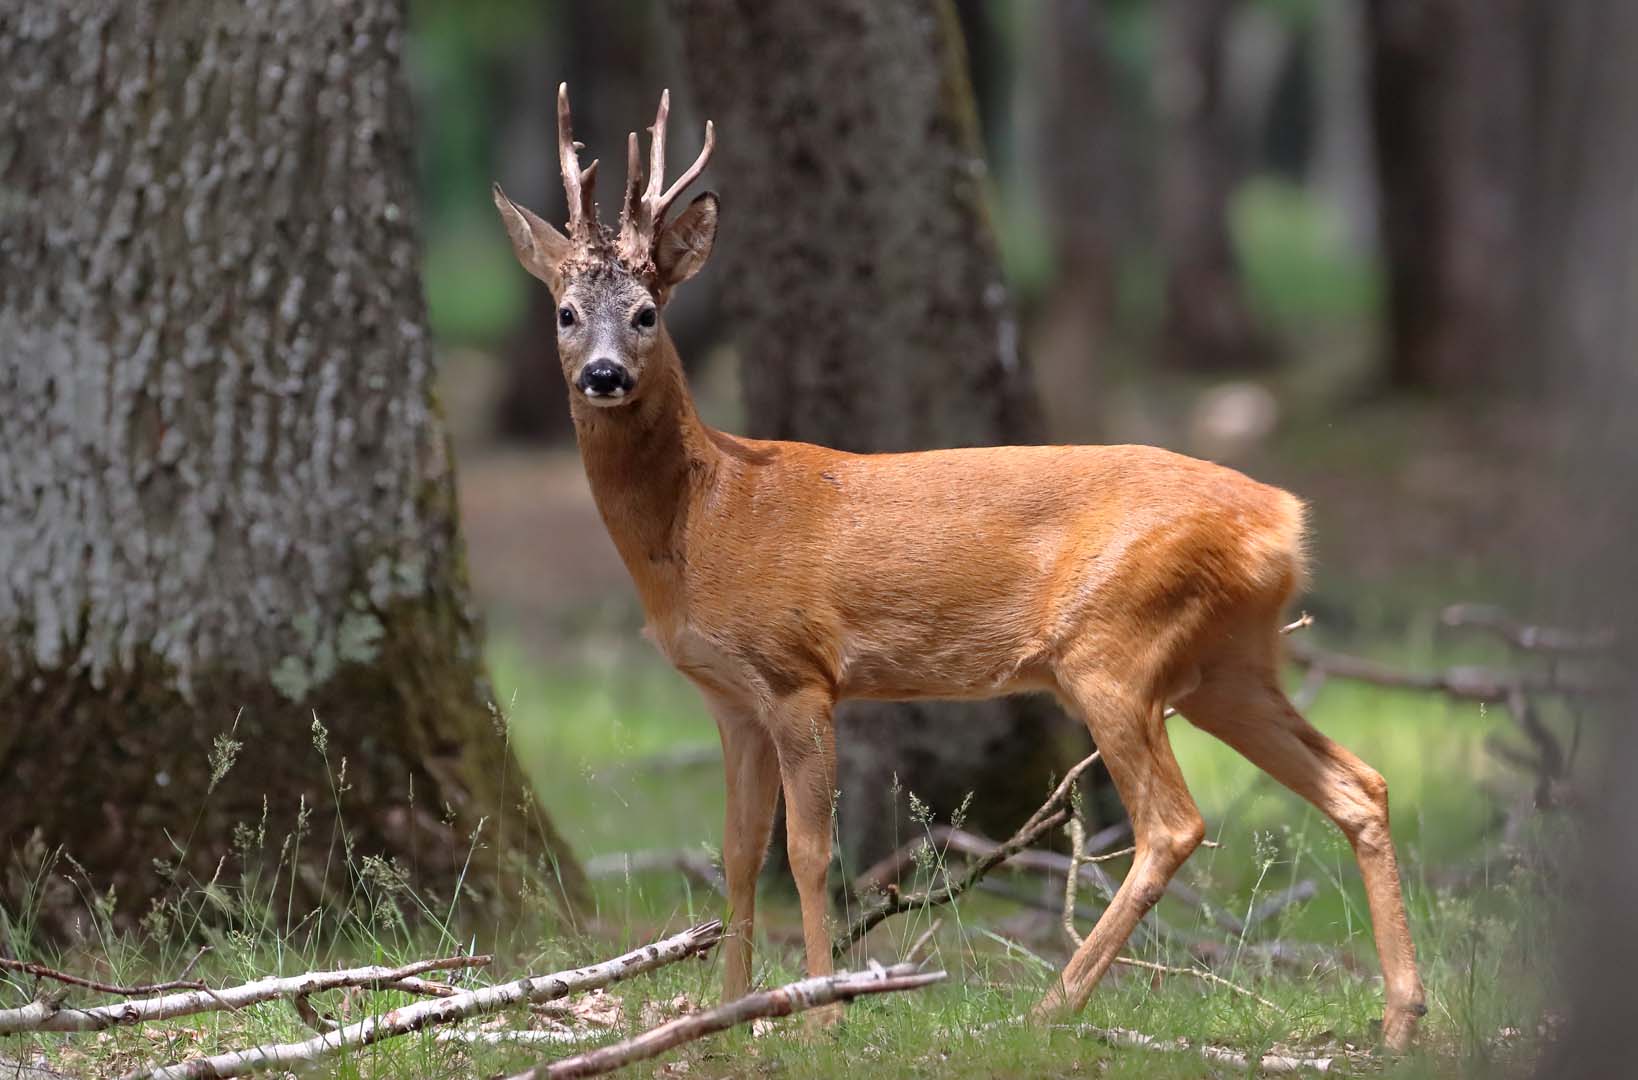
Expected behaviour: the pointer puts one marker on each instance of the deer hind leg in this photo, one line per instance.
(751, 772)
(806, 742)
(1242, 704)
(1166, 825)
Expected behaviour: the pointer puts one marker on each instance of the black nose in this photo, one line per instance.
(605, 378)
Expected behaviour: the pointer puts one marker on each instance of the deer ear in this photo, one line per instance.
(539, 247)
(686, 243)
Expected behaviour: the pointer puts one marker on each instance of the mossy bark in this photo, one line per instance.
(226, 495)
(863, 286)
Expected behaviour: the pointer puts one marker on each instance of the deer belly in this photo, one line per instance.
(953, 669)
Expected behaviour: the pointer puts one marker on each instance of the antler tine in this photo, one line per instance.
(656, 150)
(691, 175)
(645, 210)
(634, 180)
(579, 185)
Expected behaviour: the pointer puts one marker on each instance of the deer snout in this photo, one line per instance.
(605, 378)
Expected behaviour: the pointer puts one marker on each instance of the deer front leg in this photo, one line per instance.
(750, 768)
(807, 767)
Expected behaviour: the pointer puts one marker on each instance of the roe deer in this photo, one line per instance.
(782, 577)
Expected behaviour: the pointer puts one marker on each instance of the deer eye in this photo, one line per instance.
(645, 318)
(565, 316)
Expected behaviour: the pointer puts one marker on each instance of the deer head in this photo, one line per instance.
(610, 287)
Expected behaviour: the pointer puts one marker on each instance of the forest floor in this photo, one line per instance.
(623, 755)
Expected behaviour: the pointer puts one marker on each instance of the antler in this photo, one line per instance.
(578, 184)
(643, 213)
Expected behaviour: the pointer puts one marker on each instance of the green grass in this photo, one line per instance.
(1483, 951)
(578, 729)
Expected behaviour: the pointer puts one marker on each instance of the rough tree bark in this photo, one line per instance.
(227, 502)
(1450, 86)
(1208, 324)
(1581, 335)
(861, 285)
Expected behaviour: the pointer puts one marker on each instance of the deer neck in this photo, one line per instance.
(648, 464)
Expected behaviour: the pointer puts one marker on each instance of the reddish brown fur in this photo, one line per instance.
(782, 578)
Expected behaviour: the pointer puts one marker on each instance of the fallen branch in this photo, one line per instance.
(1053, 812)
(51, 1016)
(42, 972)
(1268, 1063)
(520, 1038)
(1523, 635)
(793, 998)
(459, 1006)
(1463, 683)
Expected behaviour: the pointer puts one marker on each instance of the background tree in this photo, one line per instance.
(226, 497)
(1208, 324)
(1580, 334)
(1451, 82)
(861, 285)
(1083, 158)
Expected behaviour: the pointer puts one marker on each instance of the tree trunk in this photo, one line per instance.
(1209, 326)
(1085, 172)
(861, 284)
(227, 501)
(1450, 86)
(1581, 335)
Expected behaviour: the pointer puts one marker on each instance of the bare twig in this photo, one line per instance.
(1052, 813)
(1301, 622)
(187, 968)
(921, 942)
(459, 1006)
(311, 1016)
(1268, 1063)
(1476, 684)
(43, 972)
(1032, 859)
(792, 998)
(1072, 878)
(1523, 635)
(1195, 973)
(46, 1016)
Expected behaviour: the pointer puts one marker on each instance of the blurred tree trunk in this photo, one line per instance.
(1083, 173)
(1581, 327)
(1209, 326)
(1343, 166)
(861, 284)
(1450, 85)
(227, 503)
